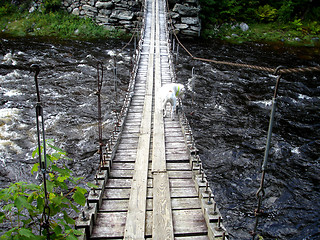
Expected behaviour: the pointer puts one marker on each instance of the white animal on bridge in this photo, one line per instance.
(171, 93)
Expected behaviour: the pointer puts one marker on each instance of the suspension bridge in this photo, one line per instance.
(151, 184)
(150, 181)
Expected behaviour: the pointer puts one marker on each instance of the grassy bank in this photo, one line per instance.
(57, 24)
(297, 34)
(16, 21)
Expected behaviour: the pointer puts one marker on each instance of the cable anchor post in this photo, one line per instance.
(260, 193)
(42, 160)
(98, 93)
(271, 121)
(115, 78)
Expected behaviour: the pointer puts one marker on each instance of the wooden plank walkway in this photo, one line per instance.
(152, 186)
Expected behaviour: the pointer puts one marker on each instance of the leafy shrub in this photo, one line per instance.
(6, 9)
(52, 5)
(286, 11)
(24, 203)
(267, 13)
(314, 27)
(297, 24)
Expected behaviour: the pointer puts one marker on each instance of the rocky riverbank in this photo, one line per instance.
(128, 14)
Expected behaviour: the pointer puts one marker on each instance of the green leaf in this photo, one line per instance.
(57, 199)
(33, 187)
(40, 203)
(57, 149)
(64, 172)
(25, 222)
(35, 168)
(62, 179)
(8, 207)
(26, 232)
(71, 237)
(21, 202)
(9, 233)
(68, 219)
(57, 230)
(56, 156)
(63, 185)
(50, 186)
(77, 232)
(79, 197)
(91, 185)
(35, 152)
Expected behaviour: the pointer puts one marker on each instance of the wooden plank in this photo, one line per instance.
(178, 166)
(109, 225)
(115, 205)
(131, 142)
(173, 134)
(181, 151)
(204, 237)
(112, 194)
(135, 222)
(189, 222)
(127, 146)
(120, 173)
(179, 203)
(184, 192)
(162, 227)
(175, 138)
(118, 183)
(123, 165)
(185, 203)
(175, 183)
(133, 123)
(174, 157)
(176, 145)
(186, 223)
(180, 174)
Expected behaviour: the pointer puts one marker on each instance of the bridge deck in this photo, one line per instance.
(151, 188)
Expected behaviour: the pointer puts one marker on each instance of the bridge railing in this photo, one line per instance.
(94, 200)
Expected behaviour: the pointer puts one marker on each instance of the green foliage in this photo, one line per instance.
(217, 12)
(267, 13)
(297, 24)
(285, 12)
(269, 21)
(313, 14)
(51, 5)
(55, 24)
(6, 8)
(314, 27)
(24, 203)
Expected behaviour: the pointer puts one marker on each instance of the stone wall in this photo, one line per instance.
(111, 14)
(125, 13)
(185, 17)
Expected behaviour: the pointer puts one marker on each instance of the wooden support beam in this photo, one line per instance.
(136, 216)
(162, 214)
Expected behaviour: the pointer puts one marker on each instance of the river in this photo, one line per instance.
(229, 118)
